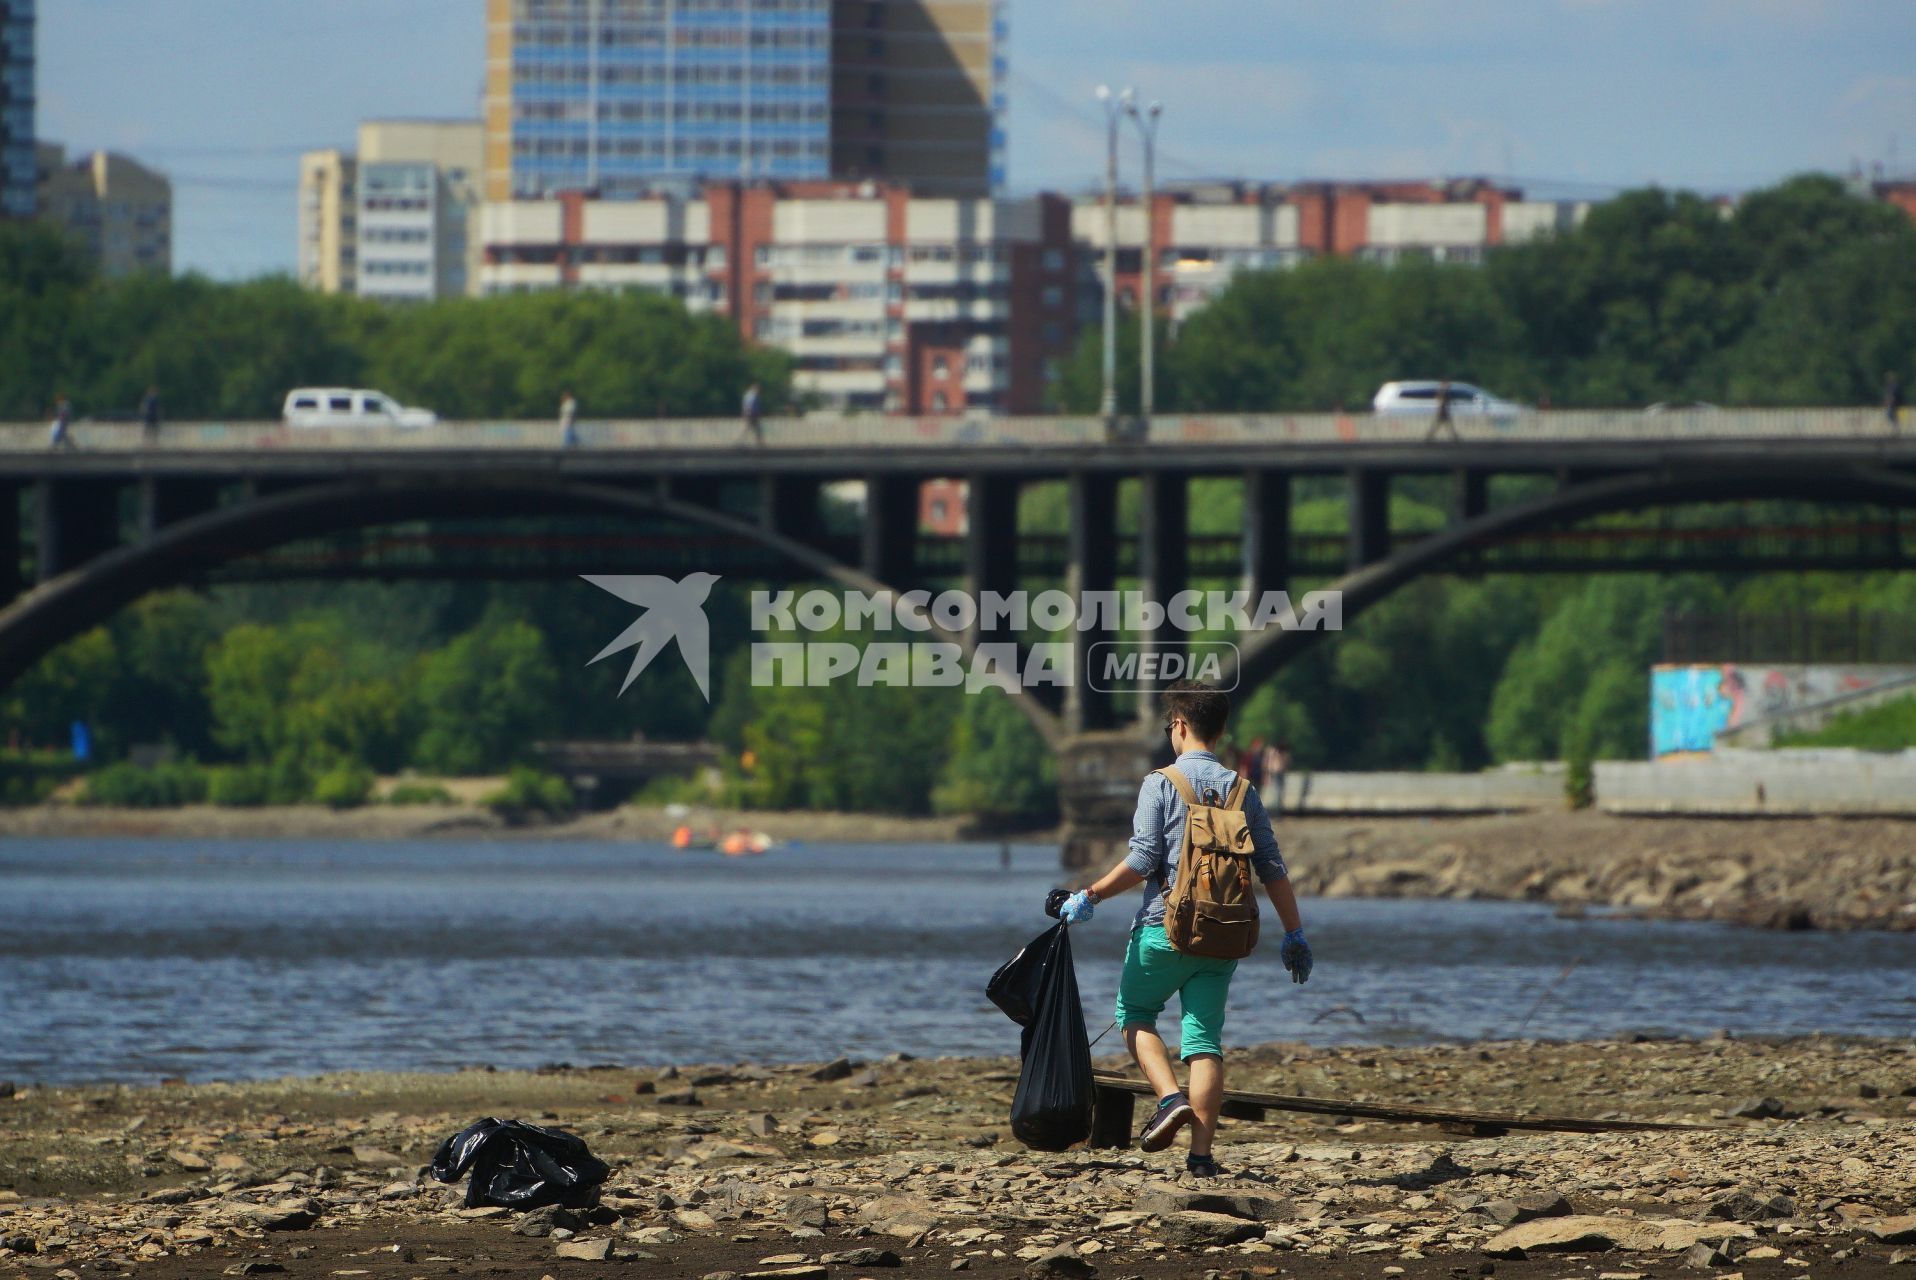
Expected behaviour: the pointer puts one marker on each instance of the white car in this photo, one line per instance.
(1419, 399)
(347, 407)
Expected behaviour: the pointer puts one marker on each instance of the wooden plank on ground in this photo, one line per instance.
(1472, 1121)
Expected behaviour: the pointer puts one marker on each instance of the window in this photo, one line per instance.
(1053, 296)
(340, 404)
(938, 402)
(1054, 259)
(940, 367)
(306, 402)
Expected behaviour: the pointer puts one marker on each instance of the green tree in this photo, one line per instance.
(485, 698)
(998, 766)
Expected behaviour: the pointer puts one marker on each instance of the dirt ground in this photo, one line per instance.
(1805, 1165)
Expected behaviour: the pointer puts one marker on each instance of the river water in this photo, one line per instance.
(132, 960)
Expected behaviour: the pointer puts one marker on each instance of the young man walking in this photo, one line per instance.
(1154, 970)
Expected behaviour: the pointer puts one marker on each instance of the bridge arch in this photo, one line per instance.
(84, 597)
(1265, 654)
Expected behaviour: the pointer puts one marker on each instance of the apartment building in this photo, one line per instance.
(329, 221)
(918, 94)
(397, 219)
(18, 180)
(1207, 232)
(121, 211)
(887, 300)
(618, 98)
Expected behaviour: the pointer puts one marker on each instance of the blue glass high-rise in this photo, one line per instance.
(17, 162)
(621, 96)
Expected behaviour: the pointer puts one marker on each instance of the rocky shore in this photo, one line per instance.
(1782, 873)
(846, 1170)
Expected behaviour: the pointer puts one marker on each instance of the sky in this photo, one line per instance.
(1563, 97)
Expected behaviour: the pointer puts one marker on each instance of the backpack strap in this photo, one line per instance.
(1235, 801)
(1183, 784)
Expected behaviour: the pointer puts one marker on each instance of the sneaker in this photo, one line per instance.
(1203, 1166)
(1173, 1113)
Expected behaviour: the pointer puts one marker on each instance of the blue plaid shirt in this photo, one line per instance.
(1157, 830)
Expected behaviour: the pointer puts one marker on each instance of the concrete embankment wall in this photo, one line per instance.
(1805, 783)
(1527, 789)
(1757, 783)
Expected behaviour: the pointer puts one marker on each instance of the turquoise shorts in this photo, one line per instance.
(1154, 970)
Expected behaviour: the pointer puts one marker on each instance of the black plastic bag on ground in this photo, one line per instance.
(1052, 1107)
(519, 1165)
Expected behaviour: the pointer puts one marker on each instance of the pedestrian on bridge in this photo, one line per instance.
(150, 415)
(748, 409)
(1893, 400)
(59, 431)
(1441, 420)
(1198, 837)
(568, 419)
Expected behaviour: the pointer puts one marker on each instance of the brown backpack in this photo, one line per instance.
(1212, 909)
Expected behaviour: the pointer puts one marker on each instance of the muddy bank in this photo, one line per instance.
(1788, 873)
(458, 822)
(906, 1168)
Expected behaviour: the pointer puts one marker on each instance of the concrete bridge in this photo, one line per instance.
(119, 515)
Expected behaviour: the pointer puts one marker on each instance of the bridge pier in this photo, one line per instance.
(788, 504)
(12, 579)
(75, 520)
(1098, 778)
(1469, 495)
(1369, 491)
(1164, 529)
(991, 543)
(1267, 532)
(1091, 565)
(888, 542)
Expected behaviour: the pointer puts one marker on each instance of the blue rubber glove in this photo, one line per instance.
(1296, 955)
(1077, 908)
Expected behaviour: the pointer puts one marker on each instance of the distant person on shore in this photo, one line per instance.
(1248, 760)
(150, 415)
(748, 409)
(568, 419)
(1893, 400)
(1275, 764)
(60, 430)
(1174, 949)
(1440, 421)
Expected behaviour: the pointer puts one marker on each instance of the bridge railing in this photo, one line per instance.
(816, 432)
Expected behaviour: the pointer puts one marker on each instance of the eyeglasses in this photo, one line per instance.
(1169, 726)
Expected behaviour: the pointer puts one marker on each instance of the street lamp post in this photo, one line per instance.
(1147, 122)
(1114, 109)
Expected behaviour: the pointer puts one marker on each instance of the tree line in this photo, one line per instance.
(232, 351)
(1801, 294)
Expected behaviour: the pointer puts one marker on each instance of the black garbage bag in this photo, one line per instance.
(1052, 1107)
(1014, 988)
(519, 1165)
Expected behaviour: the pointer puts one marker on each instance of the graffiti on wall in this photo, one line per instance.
(1690, 705)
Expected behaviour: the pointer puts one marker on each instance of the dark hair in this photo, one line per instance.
(1202, 708)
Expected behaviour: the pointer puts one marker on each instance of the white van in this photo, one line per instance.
(347, 407)
(1419, 399)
